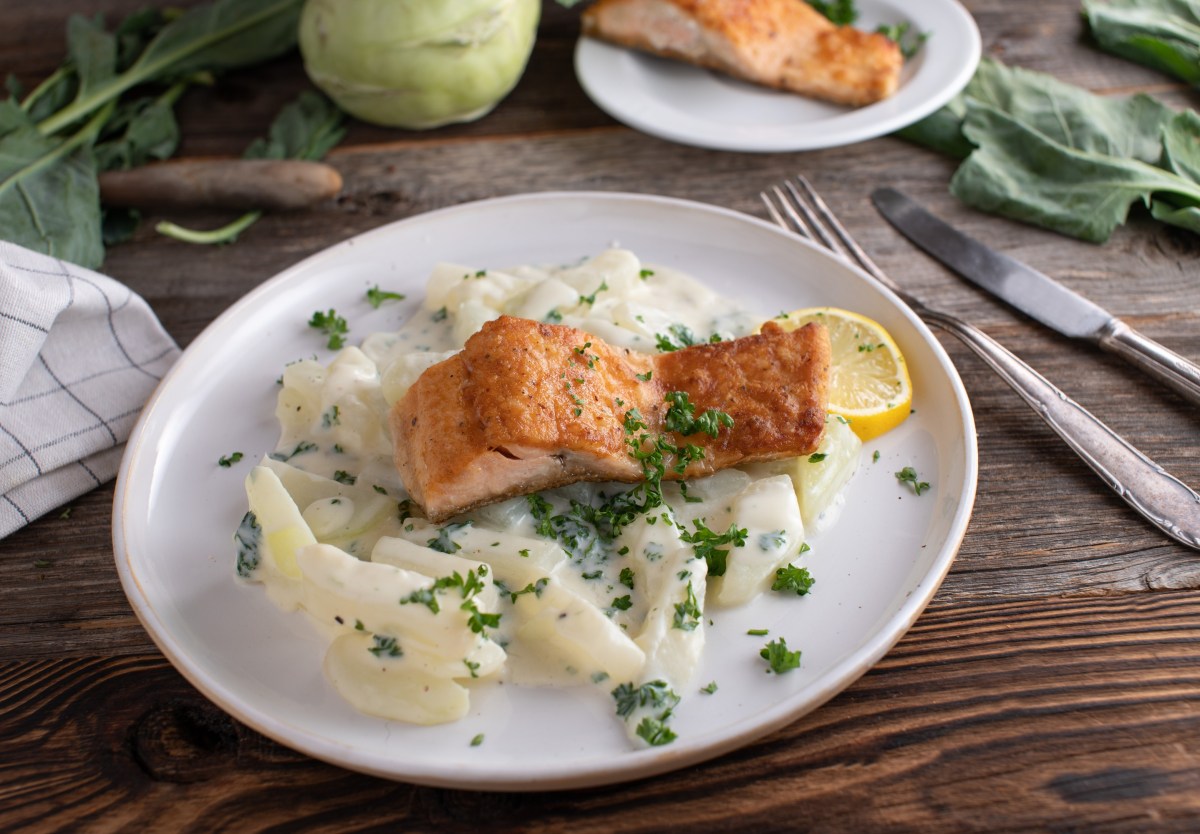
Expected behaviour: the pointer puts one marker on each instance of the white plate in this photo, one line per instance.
(695, 106)
(176, 510)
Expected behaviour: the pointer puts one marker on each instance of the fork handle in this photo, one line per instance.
(1164, 500)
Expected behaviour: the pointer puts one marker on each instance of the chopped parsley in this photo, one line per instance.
(472, 667)
(229, 460)
(553, 317)
(301, 448)
(443, 543)
(710, 689)
(817, 457)
(440, 315)
(385, 647)
(875, 457)
(645, 273)
(478, 740)
(534, 588)
(248, 540)
(792, 578)
(681, 417)
(654, 695)
(379, 489)
(627, 578)
(332, 325)
(344, 477)
(758, 632)
(772, 541)
(646, 376)
(591, 299)
(908, 475)
(622, 603)
(840, 12)
(909, 46)
(710, 546)
(377, 296)
(655, 733)
(779, 657)
(331, 418)
(687, 613)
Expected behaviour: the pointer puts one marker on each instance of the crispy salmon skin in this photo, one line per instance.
(784, 44)
(528, 406)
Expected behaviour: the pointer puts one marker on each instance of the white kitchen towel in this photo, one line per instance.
(80, 354)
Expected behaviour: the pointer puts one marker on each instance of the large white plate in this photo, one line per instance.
(176, 510)
(700, 107)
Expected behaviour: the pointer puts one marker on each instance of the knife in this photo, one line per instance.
(1035, 294)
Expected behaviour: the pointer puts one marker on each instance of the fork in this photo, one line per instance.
(1164, 500)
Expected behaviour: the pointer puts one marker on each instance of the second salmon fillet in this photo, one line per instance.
(528, 406)
(784, 44)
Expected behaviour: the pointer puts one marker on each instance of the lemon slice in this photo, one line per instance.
(869, 383)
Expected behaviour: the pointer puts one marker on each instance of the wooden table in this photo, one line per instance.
(1053, 683)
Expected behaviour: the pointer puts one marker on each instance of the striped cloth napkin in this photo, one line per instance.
(79, 356)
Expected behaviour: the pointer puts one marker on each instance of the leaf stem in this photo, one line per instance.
(84, 135)
(41, 89)
(225, 234)
(146, 69)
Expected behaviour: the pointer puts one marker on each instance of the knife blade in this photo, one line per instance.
(1035, 294)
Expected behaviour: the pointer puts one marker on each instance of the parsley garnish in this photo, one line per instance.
(622, 603)
(478, 740)
(758, 632)
(772, 541)
(707, 545)
(385, 647)
(710, 689)
(655, 733)
(443, 543)
(899, 33)
(687, 613)
(681, 417)
(840, 12)
(591, 299)
(330, 418)
(248, 538)
(627, 578)
(817, 457)
(379, 489)
(875, 457)
(472, 667)
(377, 296)
(440, 315)
(655, 694)
(332, 325)
(645, 377)
(553, 317)
(227, 461)
(645, 273)
(779, 658)
(344, 477)
(301, 448)
(792, 578)
(909, 475)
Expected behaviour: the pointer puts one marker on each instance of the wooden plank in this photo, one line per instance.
(984, 717)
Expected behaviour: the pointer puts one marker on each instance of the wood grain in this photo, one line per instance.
(1053, 684)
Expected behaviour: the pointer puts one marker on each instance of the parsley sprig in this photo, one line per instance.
(779, 657)
(908, 475)
(332, 325)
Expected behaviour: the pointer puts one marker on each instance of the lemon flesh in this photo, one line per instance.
(868, 382)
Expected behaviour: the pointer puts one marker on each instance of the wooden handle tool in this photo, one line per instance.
(241, 184)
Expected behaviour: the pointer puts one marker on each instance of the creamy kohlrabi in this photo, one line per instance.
(555, 588)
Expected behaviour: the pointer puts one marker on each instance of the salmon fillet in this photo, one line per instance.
(785, 44)
(528, 406)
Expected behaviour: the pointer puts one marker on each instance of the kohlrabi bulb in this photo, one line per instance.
(417, 63)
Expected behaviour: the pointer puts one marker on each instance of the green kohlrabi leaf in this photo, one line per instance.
(141, 131)
(220, 36)
(1163, 34)
(307, 128)
(49, 197)
(1181, 154)
(1018, 172)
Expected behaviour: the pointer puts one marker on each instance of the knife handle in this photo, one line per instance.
(1164, 500)
(1165, 365)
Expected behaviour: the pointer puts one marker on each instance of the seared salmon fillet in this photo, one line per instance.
(785, 44)
(528, 406)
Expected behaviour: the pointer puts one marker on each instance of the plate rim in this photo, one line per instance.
(971, 51)
(638, 764)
